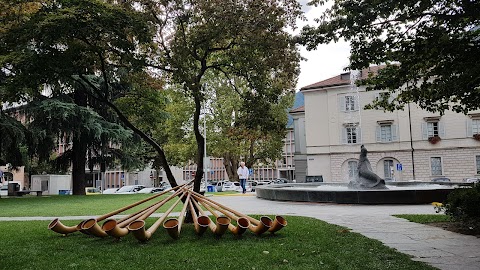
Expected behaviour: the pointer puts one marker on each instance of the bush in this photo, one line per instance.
(463, 205)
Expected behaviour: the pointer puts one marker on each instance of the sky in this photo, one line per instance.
(327, 60)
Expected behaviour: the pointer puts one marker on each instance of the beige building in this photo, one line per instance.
(403, 145)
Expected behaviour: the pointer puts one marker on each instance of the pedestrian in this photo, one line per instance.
(243, 176)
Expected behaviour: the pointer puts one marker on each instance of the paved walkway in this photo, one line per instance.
(435, 246)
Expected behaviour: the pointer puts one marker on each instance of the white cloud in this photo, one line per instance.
(327, 60)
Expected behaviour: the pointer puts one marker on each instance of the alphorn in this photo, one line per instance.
(117, 229)
(200, 222)
(92, 227)
(137, 227)
(222, 222)
(242, 222)
(174, 225)
(278, 223)
(57, 226)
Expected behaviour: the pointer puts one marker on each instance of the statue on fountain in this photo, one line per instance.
(366, 178)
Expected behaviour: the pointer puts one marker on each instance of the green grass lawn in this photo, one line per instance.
(306, 243)
(425, 218)
(75, 205)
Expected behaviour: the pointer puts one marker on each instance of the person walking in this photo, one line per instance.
(243, 176)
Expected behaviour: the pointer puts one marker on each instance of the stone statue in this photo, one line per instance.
(366, 178)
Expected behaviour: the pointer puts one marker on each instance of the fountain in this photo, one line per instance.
(366, 188)
(366, 178)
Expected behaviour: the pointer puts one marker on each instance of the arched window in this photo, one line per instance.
(352, 169)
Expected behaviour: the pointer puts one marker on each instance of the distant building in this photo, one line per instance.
(403, 145)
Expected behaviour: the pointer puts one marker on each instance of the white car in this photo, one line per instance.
(150, 190)
(130, 189)
(110, 191)
(472, 180)
(4, 190)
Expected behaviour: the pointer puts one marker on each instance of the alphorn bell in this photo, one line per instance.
(242, 222)
(174, 225)
(137, 227)
(92, 227)
(262, 225)
(57, 226)
(117, 228)
(200, 222)
(222, 222)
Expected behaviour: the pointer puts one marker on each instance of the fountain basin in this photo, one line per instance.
(397, 193)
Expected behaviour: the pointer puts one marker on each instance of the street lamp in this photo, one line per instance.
(205, 165)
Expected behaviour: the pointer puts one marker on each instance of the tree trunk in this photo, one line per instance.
(231, 164)
(79, 149)
(78, 164)
(199, 138)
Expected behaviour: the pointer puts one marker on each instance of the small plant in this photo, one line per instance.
(476, 137)
(434, 139)
(462, 205)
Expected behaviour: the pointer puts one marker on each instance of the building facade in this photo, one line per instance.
(409, 144)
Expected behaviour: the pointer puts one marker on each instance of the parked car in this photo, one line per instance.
(92, 191)
(280, 181)
(227, 186)
(4, 190)
(251, 185)
(165, 185)
(472, 180)
(130, 189)
(441, 179)
(150, 190)
(110, 191)
(265, 182)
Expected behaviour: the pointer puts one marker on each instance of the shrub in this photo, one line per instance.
(463, 205)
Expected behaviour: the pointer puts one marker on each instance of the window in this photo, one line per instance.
(351, 134)
(436, 165)
(352, 169)
(475, 126)
(386, 133)
(433, 128)
(387, 169)
(477, 162)
(350, 103)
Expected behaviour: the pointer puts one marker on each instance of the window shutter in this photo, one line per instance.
(378, 134)
(469, 128)
(424, 131)
(359, 135)
(441, 130)
(357, 101)
(343, 138)
(394, 133)
(341, 103)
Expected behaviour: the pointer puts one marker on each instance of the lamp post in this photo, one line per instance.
(205, 165)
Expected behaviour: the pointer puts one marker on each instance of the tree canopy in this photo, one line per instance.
(99, 44)
(430, 49)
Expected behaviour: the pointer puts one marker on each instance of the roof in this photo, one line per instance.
(299, 109)
(298, 103)
(342, 79)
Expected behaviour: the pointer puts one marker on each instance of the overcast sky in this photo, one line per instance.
(326, 61)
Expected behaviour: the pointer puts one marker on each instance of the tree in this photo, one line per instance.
(96, 43)
(82, 131)
(238, 40)
(14, 139)
(236, 133)
(51, 45)
(430, 49)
